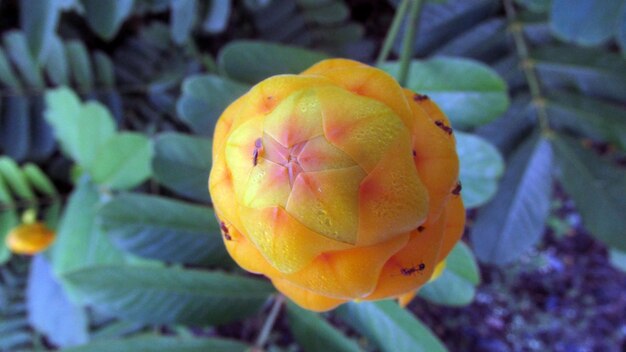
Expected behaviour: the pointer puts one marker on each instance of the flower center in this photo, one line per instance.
(288, 157)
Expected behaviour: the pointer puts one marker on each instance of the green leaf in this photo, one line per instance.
(391, 327)
(79, 244)
(596, 75)
(38, 19)
(540, 6)
(253, 61)
(82, 129)
(597, 187)
(106, 17)
(38, 179)
(469, 93)
(17, 48)
(618, 259)
(104, 69)
(592, 117)
(203, 100)
(484, 42)
(49, 310)
(217, 16)
(79, 64)
(182, 163)
(7, 76)
(171, 295)
(481, 168)
(15, 134)
(457, 284)
(124, 161)
(585, 22)
(164, 229)
(329, 13)
(314, 334)
(8, 220)
(15, 178)
(182, 19)
(439, 23)
(156, 343)
(506, 131)
(515, 219)
(56, 64)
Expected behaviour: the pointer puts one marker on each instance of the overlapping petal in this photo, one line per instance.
(337, 184)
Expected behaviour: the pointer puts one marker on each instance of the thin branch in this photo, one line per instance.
(390, 38)
(528, 67)
(408, 41)
(269, 323)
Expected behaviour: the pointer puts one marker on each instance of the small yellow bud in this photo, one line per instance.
(29, 239)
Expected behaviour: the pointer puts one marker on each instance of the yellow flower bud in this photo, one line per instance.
(337, 184)
(29, 238)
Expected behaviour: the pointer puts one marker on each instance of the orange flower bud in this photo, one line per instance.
(29, 238)
(337, 184)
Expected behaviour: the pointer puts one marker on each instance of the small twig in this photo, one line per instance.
(409, 40)
(390, 38)
(268, 324)
(528, 67)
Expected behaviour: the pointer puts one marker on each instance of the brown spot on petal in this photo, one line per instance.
(258, 144)
(225, 231)
(447, 129)
(420, 97)
(457, 190)
(421, 228)
(223, 227)
(412, 270)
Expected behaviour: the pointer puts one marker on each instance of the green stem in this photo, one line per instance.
(392, 33)
(408, 41)
(528, 67)
(269, 323)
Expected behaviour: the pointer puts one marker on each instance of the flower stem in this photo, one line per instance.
(528, 67)
(393, 32)
(269, 323)
(409, 40)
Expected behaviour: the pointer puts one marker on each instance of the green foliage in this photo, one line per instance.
(160, 228)
(182, 164)
(597, 187)
(251, 62)
(514, 220)
(314, 334)
(481, 168)
(49, 310)
(106, 17)
(588, 22)
(203, 99)
(170, 295)
(79, 243)
(87, 134)
(580, 94)
(14, 325)
(136, 115)
(157, 343)
(23, 132)
(618, 259)
(468, 92)
(457, 284)
(21, 189)
(390, 327)
(323, 25)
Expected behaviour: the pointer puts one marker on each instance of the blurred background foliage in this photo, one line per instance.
(106, 113)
